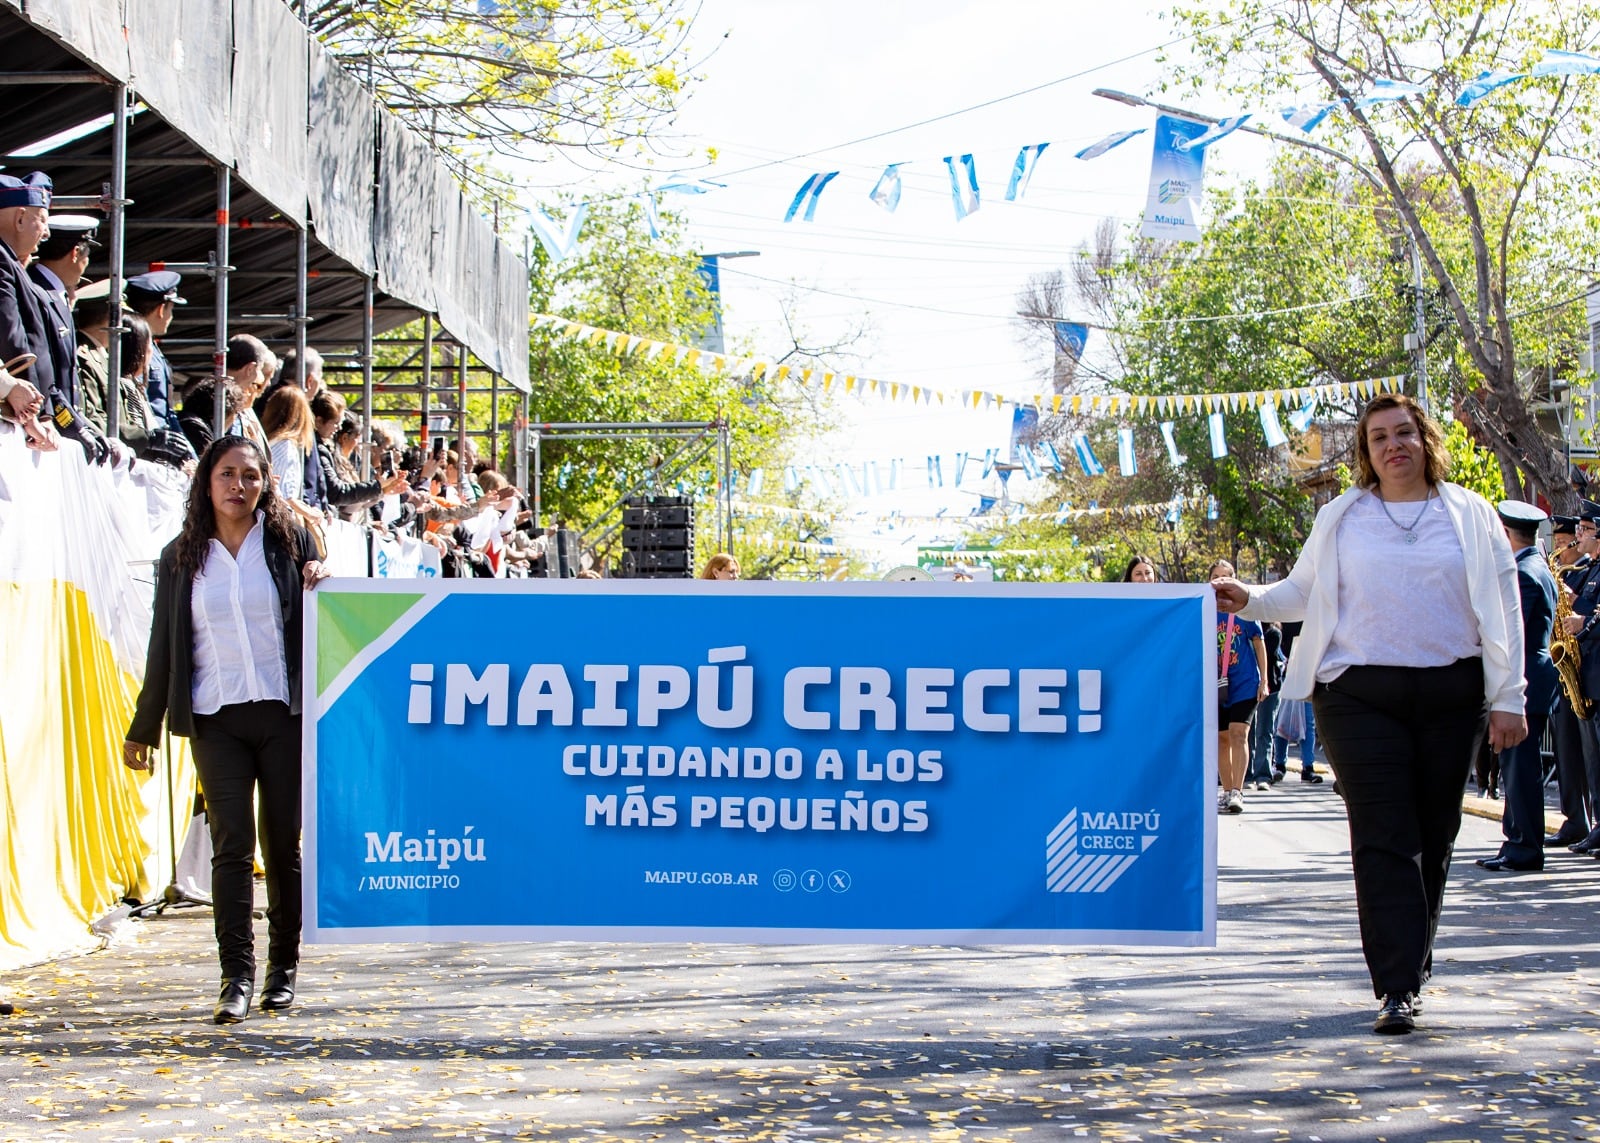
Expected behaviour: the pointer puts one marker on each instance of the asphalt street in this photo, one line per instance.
(1264, 1037)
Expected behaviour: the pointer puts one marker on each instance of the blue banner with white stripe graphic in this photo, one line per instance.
(645, 760)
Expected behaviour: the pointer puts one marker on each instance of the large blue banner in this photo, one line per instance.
(634, 760)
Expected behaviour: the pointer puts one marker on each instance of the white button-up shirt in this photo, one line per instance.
(238, 628)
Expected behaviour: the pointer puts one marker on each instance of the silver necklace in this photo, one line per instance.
(1409, 529)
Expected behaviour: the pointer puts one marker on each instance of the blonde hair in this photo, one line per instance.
(719, 562)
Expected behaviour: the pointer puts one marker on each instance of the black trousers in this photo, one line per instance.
(1401, 741)
(242, 751)
(1522, 788)
(1570, 773)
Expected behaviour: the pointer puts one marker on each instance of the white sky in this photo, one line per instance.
(791, 78)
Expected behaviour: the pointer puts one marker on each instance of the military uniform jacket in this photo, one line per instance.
(23, 325)
(1537, 588)
(63, 336)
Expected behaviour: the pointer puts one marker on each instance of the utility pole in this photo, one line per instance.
(1417, 340)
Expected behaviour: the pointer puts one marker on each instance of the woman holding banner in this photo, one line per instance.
(1402, 694)
(223, 670)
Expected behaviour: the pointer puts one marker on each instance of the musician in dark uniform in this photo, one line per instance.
(1521, 767)
(154, 297)
(1573, 564)
(1584, 622)
(25, 327)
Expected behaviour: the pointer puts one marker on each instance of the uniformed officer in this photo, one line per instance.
(1521, 767)
(57, 269)
(25, 327)
(1572, 567)
(1584, 622)
(154, 297)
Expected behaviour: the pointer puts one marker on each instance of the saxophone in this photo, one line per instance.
(1564, 647)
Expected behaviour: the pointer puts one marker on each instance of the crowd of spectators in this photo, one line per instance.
(56, 384)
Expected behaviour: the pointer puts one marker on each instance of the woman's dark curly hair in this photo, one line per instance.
(200, 520)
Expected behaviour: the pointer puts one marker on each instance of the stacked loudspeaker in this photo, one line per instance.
(658, 537)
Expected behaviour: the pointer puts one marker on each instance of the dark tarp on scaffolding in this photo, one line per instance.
(181, 53)
(511, 316)
(407, 216)
(91, 27)
(343, 140)
(465, 267)
(269, 118)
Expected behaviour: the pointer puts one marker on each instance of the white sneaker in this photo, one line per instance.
(1235, 802)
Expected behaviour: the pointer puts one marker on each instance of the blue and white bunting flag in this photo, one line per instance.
(1173, 455)
(1022, 170)
(935, 472)
(990, 455)
(1063, 512)
(701, 186)
(1110, 142)
(894, 475)
(561, 240)
(652, 214)
(1308, 117)
(1387, 91)
(1174, 512)
(1301, 418)
(1487, 82)
(1554, 63)
(1030, 463)
(1127, 462)
(1086, 459)
(886, 192)
(963, 184)
(1216, 131)
(1211, 507)
(791, 479)
(1219, 440)
(961, 467)
(820, 475)
(847, 477)
(809, 192)
(758, 478)
(1054, 456)
(1270, 428)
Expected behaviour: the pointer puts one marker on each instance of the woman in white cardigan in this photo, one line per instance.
(1411, 651)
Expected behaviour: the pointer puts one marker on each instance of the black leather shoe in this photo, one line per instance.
(234, 1003)
(1311, 776)
(1506, 865)
(1396, 1017)
(1556, 841)
(278, 991)
(1587, 845)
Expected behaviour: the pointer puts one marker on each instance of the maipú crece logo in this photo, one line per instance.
(1087, 852)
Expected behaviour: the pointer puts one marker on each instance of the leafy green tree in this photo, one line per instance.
(498, 79)
(1496, 197)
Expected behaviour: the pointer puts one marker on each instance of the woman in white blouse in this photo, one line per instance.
(223, 670)
(1411, 652)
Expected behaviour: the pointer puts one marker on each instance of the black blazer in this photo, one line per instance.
(169, 663)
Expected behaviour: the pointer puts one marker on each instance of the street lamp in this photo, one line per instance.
(1416, 341)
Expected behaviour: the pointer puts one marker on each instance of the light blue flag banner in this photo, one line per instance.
(652, 214)
(1301, 418)
(770, 762)
(886, 192)
(1388, 90)
(1270, 428)
(1022, 170)
(1024, 424)
(559, 239)
(757, 481)
(1053, 455)
(807, 195)
(963, 184)
(1218, 130)
(791, 479)
(1029, 462)
(1127, 462)
(990, 456)
(1219, 439)
(961, 467)
(1308, 117)
(935, 472)
(1172, 208)
(1171, 442)
(1110, 142)
(1211, 507)
(1070, 338)
(820, 475)
(1554, 63)
(1086, 459)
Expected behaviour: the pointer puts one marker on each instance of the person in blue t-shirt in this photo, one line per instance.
(1242, 661)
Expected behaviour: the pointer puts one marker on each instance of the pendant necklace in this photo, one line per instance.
(1411, 529)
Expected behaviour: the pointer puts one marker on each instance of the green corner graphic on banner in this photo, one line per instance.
(348, 622)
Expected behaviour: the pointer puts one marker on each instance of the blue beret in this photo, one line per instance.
(32, 191)
(157, 285)
(1590, 511)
